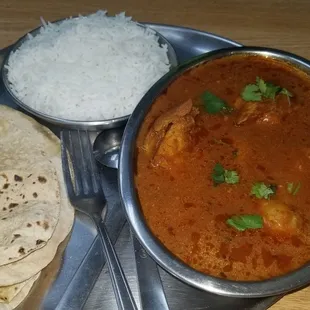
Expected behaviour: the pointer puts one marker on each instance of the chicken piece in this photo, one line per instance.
(279, 218)
(248, 111)
(263, 112)
(271, 117)
(259, 112)
(238, 104)
(161, 124)
(176, 140)
(170, 133)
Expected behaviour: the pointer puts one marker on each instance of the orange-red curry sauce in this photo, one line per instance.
(188, 213)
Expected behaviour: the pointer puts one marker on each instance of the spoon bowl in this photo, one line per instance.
(107, 145)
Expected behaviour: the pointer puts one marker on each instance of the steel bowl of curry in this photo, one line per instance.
(214, 172)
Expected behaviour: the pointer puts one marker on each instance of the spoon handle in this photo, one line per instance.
(152, 294)
(124, 298)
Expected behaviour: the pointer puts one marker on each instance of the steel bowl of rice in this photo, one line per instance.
(86, 72)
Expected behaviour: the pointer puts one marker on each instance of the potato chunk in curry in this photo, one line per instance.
(280, 218)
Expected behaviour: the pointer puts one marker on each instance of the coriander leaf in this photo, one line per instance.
(231, 177)
(243, 222)
(261, 190)
(251, 92)
(261, 84)
(214, 104)
(271, 90)
(297, 188)
(221, 175)
(292, 188)
(284, 91)
(262, 89)
(218, 174)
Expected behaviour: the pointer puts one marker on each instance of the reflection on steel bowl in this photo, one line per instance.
(87, 71)
(209, 174)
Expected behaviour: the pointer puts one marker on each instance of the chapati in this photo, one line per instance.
(29, 211)
(36, 261)
(16, 293)
(23, 141)
(38, 215)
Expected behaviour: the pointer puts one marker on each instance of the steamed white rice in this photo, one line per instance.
(89, 68)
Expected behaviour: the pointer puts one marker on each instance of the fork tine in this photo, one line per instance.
(93, 173)
(86, 178)
(65, 165)
(69, 140)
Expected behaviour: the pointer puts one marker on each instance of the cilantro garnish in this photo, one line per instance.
(221, 175)
(284, 91)
(293, 188)
(214, 104)
(261, 190)
(262, 89)
(231, 177)
(243, 222)
(251, 92)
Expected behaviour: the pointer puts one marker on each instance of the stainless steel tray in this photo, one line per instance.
(82, 261)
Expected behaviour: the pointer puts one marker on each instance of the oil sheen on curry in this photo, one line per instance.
(223, 168)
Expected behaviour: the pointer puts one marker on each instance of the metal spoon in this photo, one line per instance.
(106, 147)
(152, 296)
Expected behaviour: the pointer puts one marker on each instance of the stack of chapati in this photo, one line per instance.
(35, 214)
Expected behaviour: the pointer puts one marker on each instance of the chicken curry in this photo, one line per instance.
(223, 166)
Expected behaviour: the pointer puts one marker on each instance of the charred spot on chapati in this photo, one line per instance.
(6, 185)
(29, 225)
(21, 250)
(38, 223)
(39, 241)
(29, 175)
(45, 225)
(4, 218)
(4, 208)
(15, 236)
(13, 205)
(42, 179)
(17, 178)
(35, 195)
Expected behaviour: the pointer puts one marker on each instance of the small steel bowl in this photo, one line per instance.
(132, 207)
(76, 124)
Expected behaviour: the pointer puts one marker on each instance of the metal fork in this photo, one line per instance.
(85, 192)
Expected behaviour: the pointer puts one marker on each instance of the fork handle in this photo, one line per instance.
(124, 298)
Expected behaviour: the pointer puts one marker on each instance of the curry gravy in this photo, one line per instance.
(184, 209)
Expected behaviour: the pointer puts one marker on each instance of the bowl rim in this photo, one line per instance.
(168, 261)
(77, 124)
